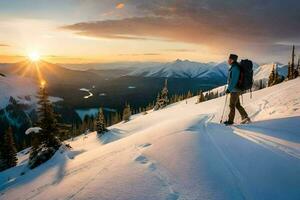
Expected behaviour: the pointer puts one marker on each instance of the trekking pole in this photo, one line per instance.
(224, 109)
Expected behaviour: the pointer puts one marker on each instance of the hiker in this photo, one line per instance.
(234, 91)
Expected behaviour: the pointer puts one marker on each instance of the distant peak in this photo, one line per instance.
(180, 61)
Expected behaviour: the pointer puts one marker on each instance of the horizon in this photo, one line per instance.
(77, 32)
(69, 65)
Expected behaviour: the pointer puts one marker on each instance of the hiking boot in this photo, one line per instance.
(228, 123)
(246, 120)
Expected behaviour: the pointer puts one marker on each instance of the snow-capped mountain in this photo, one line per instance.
(219, 70)
(22, 89)
(176, 69)
(187, 69)
(263, 71)
(170, 155)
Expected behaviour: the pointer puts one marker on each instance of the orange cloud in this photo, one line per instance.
(120, 5)
(4, 45)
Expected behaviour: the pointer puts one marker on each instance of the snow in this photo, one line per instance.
(88, 91)
(263, 72)
(178, 69)
(15, 86)
(23, 89)
(180, 152)
(186, 69)
(33, 130)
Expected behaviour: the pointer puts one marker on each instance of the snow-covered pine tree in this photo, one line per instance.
(100, 122)
(47, 142)
(8, 152)
(126, 113)
(162, 98)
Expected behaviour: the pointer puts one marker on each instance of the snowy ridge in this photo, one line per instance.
(180, 152)
(182, 69)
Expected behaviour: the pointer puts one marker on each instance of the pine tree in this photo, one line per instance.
(291, 68)
(201, 97)
(293, 63)
(47, 120)
(272, 77)
(45, 143)
(189, 94)
(115, 118)
(126, 113)
(100, 122)
(8, 152)
(162, 98)
(261, 86)
(297, 71)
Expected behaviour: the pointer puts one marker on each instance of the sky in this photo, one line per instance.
(87, 31)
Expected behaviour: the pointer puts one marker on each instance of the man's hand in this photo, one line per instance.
(227, 91)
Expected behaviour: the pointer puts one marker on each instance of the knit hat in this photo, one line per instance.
(233, 57)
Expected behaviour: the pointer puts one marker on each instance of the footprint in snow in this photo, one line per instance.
(141, 159)
(145, 145)
(172, 196)
(73, 154)
(152, 167)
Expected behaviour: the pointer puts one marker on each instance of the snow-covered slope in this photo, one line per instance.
(180, 152)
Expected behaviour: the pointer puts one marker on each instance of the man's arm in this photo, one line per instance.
(235, 75)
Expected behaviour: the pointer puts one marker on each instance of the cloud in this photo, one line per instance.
(141, 54)
(4, 45)
(217, 24)
(120, 5)
(180, 50)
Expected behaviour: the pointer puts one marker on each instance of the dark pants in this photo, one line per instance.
(235, 103)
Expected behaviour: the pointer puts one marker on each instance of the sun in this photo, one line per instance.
(34, 56)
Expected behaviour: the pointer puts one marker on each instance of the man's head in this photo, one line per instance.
(232, 58)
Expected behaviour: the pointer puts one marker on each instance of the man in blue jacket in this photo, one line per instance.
(235, 92)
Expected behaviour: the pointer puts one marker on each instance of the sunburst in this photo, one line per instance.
(34, 56)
